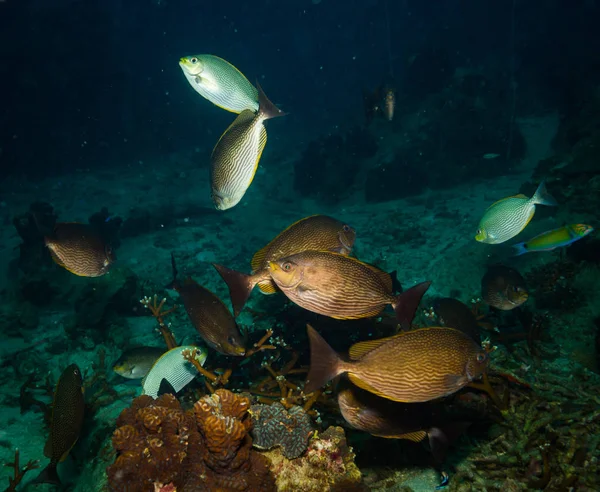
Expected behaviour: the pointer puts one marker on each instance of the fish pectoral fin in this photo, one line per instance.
(267, 287)
(455, 380)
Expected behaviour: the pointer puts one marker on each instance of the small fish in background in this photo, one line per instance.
(172, 372)
(209, 315)
(80, 249)
(506, 218)
(235, 158)
(136, 362)
(220, 82)
(490, 156)
(503, 288)
(68, 409)
(317, 232)
(556, 238)
(342, 287)
(411, 367)
(389, 103)
(393, 420)
(453, 313)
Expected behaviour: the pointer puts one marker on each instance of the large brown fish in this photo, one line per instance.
(342, 287)
(80, 249)
(393, 420)
(67, 419)
(210, 316)
(413, 366)
(503, 288)
(452, 313)
(317, 232)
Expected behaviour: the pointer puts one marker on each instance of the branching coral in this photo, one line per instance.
(160, 446)
(155, 307)
(274, 426)
(19, 473)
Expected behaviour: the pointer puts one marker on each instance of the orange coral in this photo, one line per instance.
(161, 447)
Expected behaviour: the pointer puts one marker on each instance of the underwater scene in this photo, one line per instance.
(300, 245)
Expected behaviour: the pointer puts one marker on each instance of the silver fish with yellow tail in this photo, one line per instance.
(235, 158)
(220, 82)
(506, 218)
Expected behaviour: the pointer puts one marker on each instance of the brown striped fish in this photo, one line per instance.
(209, 315)
(342, 287)
(317, 232)
(79, 249)
(503, 288)
(453, 313)
(235, 158)
(415, 422)
(67, 419)
(411, 367)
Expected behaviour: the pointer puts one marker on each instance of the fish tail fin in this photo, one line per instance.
(519, 249)
(542, 197)
(325, 363)
(240, 286)
(266, 107)
(48, 475)
(407, 302)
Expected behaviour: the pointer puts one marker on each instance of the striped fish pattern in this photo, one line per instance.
(79, 249)
(173, 368)
(220, 82)
(506, 218)
(411, 367)
(235, 158)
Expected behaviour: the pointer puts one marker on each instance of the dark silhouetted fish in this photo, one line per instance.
(67, 419)
(318, 232)
(209, 315)
(503, 288)
(413, 366)
(79, 249)
(452, 313)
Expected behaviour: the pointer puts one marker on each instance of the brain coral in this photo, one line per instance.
(274, 426)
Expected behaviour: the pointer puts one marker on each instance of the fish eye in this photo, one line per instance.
(194, 59)
(230, 340)
(480, 357)
(478, 231)
(346, 228)
(287, 266)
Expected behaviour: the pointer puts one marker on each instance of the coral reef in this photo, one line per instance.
(209, 448)
(328, 465)
(18, 472)
(273, 425)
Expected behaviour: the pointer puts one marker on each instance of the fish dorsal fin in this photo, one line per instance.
(520, 195)
(242, 118)
(258, 259)
(262, 141)
(360, 349)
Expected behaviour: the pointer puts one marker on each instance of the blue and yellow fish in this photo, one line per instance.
(556, 238)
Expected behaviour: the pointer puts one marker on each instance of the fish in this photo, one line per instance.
(235, 158)
(389, 104)
(556, 238)
(317, 232)
(68, 411)
(506, 218)
(136, 362)
(490, 156)
(503, 288)
(453, 313)
(80, 249)
(411, 367)
(220, 82)
(172, 371)
(415, 422)
(209, 315)
(342, 287)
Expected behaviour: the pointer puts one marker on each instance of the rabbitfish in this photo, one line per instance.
(413, 366)
(220, 82)
(503, 288)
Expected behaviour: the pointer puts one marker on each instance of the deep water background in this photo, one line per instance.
(95, 84)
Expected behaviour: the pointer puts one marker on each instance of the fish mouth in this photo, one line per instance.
(344, 244)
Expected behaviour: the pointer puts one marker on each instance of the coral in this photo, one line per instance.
(19, 473)
(155, 307)
(274, 426)
(328, 465)
(160, 447)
